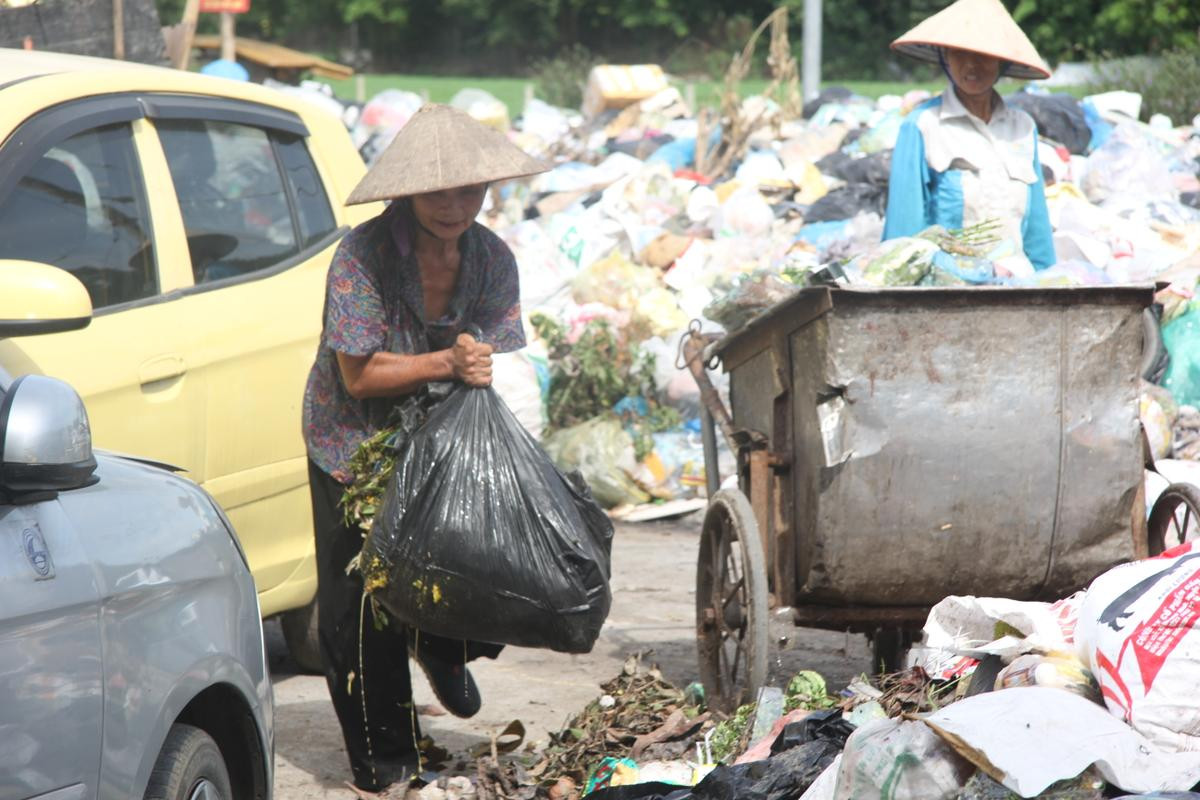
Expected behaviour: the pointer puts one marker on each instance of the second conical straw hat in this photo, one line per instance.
(441, 147)
(983, 26)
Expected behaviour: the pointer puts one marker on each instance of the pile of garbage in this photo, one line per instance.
(1089, 697)
(655, 214)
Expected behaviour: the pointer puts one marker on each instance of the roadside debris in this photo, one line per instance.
(1000, 702)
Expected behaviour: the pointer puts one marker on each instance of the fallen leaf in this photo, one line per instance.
(675, 726)
(506, 741)
(511, 737)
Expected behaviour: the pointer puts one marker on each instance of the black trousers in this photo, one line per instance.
(371, 659)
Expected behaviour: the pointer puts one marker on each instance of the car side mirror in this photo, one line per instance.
(45, 438)
(40, 298)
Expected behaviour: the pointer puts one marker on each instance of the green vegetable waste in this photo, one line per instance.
(591, 375)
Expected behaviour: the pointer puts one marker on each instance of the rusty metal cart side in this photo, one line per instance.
(896, 446)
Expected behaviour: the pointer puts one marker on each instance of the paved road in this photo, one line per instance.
(653, 610)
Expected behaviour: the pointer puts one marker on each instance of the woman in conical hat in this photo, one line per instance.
(402, 290)
(966, 156)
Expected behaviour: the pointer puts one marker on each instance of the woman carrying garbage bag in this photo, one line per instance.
(401, 290)
(966, 157)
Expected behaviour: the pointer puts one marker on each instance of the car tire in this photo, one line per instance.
(300, 632)
(189, 767)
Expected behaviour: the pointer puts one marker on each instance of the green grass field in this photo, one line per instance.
(511, 91)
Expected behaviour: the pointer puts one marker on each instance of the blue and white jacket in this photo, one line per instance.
(951, 168)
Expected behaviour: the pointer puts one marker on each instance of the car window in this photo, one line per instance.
(235, 207)
(313, 213)
(81, 206)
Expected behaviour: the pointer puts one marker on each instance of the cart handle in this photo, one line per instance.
(693, 346)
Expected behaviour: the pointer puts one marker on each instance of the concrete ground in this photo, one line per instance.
(653, 611)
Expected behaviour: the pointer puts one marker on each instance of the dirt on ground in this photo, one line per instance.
(653, 612)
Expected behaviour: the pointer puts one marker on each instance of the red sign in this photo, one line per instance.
(219, 6)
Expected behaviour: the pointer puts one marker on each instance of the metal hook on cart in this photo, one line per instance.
(697, 356)
(695, 329)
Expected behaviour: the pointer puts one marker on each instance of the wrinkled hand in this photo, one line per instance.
(471, 361)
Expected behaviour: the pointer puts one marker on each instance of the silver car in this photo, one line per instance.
(131, 647)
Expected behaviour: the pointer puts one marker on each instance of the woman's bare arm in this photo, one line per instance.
(389, 374)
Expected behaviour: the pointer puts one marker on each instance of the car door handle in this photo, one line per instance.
(161, 368)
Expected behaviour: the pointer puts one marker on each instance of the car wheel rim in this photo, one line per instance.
(205, 790)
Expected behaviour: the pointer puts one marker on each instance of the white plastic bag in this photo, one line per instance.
(1140, 631)
(482, 106)
(1030, 737)
(744, 213)
(546, 272)
(515, 379)
(893, 759)
(1127, 164)
(384, 115)
(965, 623)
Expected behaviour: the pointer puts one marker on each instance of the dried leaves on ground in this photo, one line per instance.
(641, 716)
(638, 708)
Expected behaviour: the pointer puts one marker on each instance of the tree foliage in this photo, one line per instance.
(476, 36)
(1080, 30)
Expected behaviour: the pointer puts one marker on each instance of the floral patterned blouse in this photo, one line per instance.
(374, 302)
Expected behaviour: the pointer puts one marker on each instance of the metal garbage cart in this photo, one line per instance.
(895, 446)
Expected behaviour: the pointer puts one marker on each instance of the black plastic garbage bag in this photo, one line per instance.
(651, 790)
(847, 201)
(481, 537)
(1087, 786)
(782, 777)
(831, 94)
(828, 725)
(1058, 116)
(875, 168)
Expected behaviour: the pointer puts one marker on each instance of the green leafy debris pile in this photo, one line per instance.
(743, 297)
(591, 375)
(373, 463)
(807, 690)
(731, 736)
(973, 240)
(372, 466)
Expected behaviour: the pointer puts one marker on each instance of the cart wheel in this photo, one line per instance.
(731, 602)
(1175, 518)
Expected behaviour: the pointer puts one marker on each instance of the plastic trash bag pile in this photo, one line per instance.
(625, 228)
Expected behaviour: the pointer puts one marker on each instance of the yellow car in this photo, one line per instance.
(200, 214)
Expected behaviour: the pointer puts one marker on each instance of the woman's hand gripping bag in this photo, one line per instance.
(1139, 627)
(481, 537)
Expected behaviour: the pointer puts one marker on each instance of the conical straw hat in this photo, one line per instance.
(441, 148)
(983, 26)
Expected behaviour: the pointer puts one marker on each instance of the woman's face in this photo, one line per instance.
(973, 73)
(447, 214)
